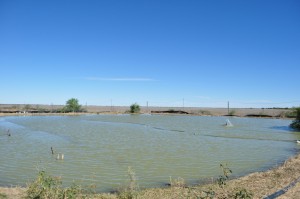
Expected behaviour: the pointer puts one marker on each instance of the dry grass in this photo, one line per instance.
(260, 184)
(266, 183)
(12, 192)
(122, 109)
(292, 194)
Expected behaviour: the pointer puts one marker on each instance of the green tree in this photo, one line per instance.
(72, 105)
(135, 108)
(296, 123)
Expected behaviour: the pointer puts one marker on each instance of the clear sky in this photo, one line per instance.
(167, 52)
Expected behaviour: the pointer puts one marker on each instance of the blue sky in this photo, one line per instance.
(202, 53)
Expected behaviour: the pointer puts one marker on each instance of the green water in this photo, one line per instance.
(98, 149)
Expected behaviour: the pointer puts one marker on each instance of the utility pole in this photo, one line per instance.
(183, 103)
(228, 108)
(111, 107)
(147, 107)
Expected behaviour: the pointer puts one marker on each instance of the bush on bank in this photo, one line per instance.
(135, 108)
(296, 123)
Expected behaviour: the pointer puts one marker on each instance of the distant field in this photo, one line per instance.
(241, 112)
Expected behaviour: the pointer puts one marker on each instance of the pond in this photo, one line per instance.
(98, 149)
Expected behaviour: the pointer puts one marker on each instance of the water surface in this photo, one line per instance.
(98, 149)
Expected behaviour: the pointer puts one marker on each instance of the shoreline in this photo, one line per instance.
(9, 109)
(154, 113)
(283, 180)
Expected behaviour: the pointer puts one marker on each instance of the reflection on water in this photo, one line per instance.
(99, 148)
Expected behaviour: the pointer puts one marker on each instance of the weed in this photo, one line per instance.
(243, 194)
(50, 187)
(131, 190)
(223, 178)
(210, 194)
(3, 196)
(232, 112)
(72, 192)
(290, 114)
(179, 182)
(204, 112)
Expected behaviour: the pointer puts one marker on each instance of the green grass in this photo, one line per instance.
(3, 196)
(46, 186)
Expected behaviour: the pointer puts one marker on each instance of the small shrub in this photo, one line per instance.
(223, 178)
(210, 194)
(290, 114)
(179, 182)
(243, 194)
(135, 108)
(296, 123)
(232, 112)
(204, 112)
(130, 191)
(3, 196)
(133, 186)
(45, 187)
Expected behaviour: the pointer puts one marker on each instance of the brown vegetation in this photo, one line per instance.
(284, 179)
(9, 109)
(260, 185)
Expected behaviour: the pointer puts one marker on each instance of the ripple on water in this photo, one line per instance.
(99, 149)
